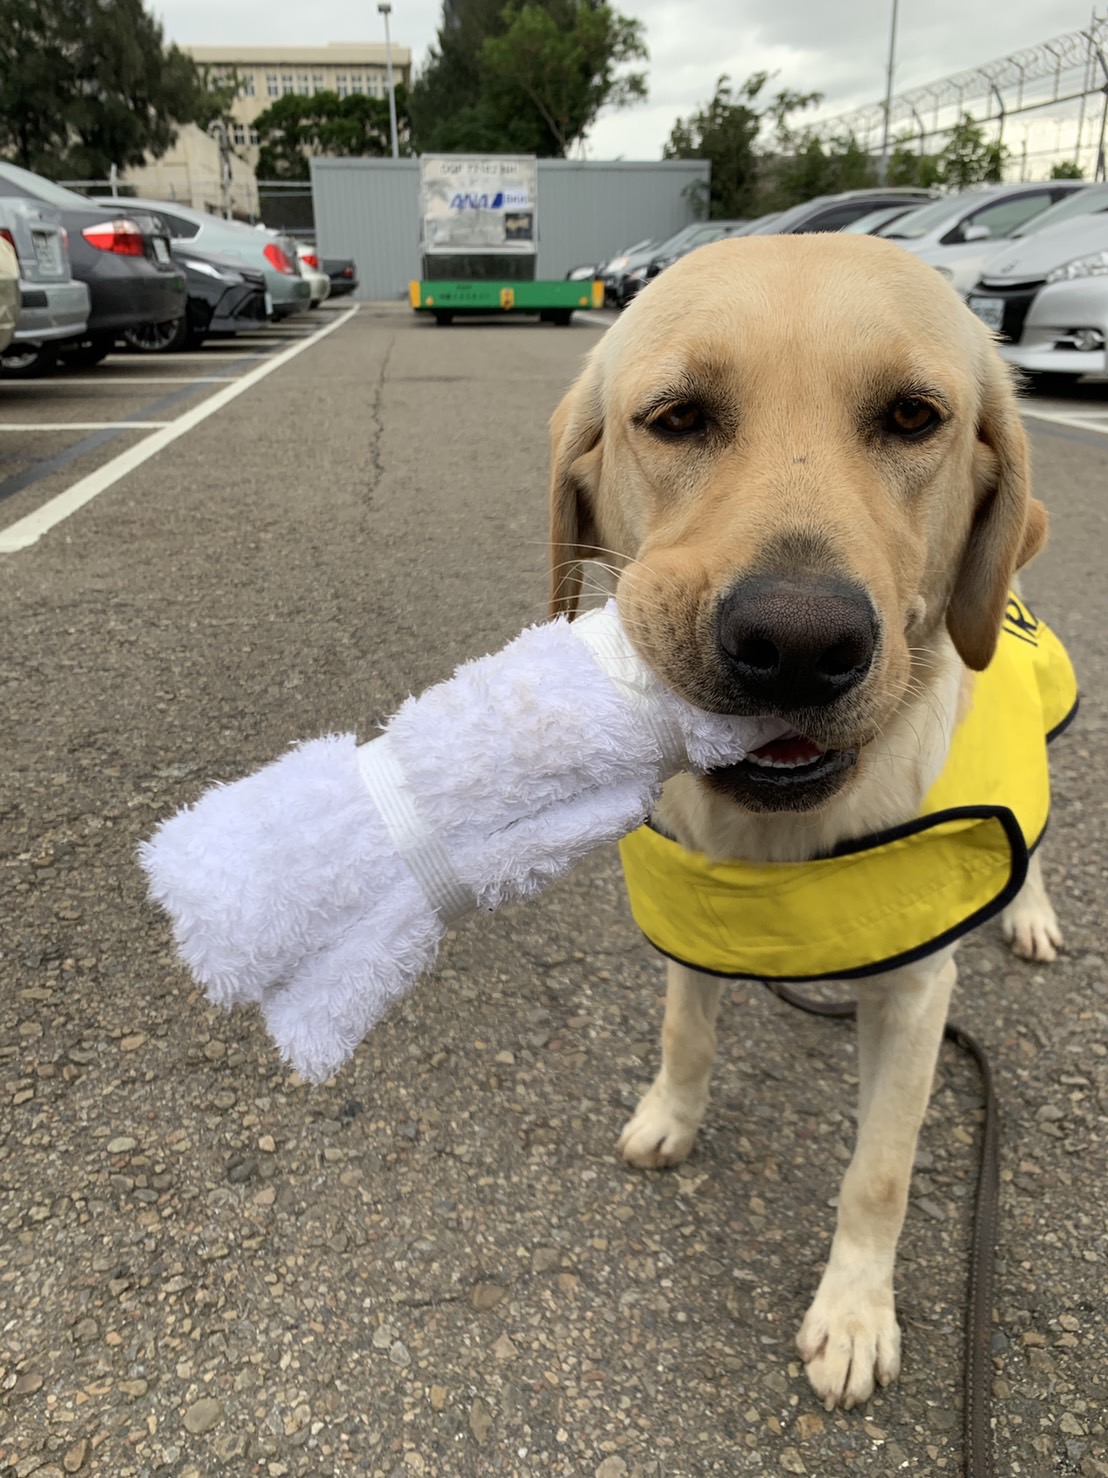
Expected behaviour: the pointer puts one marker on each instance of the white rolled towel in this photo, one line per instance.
(321, 886)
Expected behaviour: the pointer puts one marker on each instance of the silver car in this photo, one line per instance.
(1046, 297)
(265, 251)
(52, 307)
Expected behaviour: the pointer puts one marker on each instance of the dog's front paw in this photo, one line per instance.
(662, 1129)
(850, 1340)
(1030, 926)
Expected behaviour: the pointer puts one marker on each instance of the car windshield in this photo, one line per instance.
(1081, 203)
(930, 217)
(772, 225)
(22, 182)
(867, 225)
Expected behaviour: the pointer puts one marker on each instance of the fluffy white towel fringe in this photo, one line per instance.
(294, 889)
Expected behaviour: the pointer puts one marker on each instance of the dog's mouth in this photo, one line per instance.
(791, 772)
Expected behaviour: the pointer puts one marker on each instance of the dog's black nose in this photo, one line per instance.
(793, 642)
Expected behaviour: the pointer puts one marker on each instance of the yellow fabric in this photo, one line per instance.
(893, 897)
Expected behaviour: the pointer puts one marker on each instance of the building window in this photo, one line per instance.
(318, 84)
(238, 134)
(271, 90)
(252, 135)
(248, 89)
(357, 82)
(302, 85)
(286, 84)
(340, 85)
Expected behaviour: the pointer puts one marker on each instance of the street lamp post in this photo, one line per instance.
(386, 11)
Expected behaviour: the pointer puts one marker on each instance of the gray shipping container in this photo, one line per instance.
(368, 209)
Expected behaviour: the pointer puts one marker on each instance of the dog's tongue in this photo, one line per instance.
(789, 748)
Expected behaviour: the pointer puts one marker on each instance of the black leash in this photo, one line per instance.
(977, 1434)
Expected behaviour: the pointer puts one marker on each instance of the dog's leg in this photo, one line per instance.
(663, 1127)
(850, 1335)
(1029, 923)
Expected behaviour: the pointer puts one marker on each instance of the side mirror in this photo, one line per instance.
(976, 233)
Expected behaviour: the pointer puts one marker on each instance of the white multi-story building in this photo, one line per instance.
(266, 73)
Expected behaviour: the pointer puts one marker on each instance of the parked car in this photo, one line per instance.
(950, 233)
(9, 293)
(636, 278)
(873, 223)
(343, 274)
(1046, 297)
(317, 279)
(1082, 202)
(833, 212)
(610, 273)
(53, 307)
(262, 250)
(122, 256)
(224, 298)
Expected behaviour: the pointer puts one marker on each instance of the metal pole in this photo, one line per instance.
(386, 11)
(883, 167)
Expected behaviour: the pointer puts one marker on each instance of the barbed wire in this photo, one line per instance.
(1065, 70)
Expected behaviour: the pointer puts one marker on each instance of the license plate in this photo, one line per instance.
(161, 251)
(990, 311)
(46, 250)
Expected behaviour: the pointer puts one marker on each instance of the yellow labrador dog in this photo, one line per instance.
(803, 460)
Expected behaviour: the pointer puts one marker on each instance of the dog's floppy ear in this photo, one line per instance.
(1008, 528)
(576, 430)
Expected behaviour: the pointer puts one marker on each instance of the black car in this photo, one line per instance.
(124, 260)
(343, 274)
(833, 212)
(224, 297)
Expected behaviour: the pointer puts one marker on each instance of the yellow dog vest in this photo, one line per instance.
(895, 896)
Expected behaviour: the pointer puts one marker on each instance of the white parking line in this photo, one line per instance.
(83, 425)
(29, 530)
(90, 382)
(1060, 418)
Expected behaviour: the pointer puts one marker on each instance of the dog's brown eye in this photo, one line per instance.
(911, 417)
(679, 420)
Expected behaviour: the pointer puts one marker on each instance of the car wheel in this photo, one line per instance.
(157, 338)
(444, 320)
(88, 352)
(27, 361)
(563, 317)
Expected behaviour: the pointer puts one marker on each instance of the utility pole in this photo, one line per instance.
(883, 166)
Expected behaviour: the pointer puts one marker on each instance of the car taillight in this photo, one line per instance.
(278, 258)
(311, 259)
(121, 237)
(6, 235)
(348, 271)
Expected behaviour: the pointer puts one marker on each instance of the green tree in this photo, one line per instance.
(813, 166)
(524, 77)
(295, 127)
(909, 166)
(83, 87)
(1066, 169)
(727, 132)
(561, 63)
(968, 159)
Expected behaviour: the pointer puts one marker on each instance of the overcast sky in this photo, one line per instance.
(813, 45)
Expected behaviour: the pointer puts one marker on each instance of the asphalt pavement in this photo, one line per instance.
(435, 1264)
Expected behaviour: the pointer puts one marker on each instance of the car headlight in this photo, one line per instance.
(1094, 265)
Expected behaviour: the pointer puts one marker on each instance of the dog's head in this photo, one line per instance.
(804, 456)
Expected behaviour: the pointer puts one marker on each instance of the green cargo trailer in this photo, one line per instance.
(553, 302)
(479, 232)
